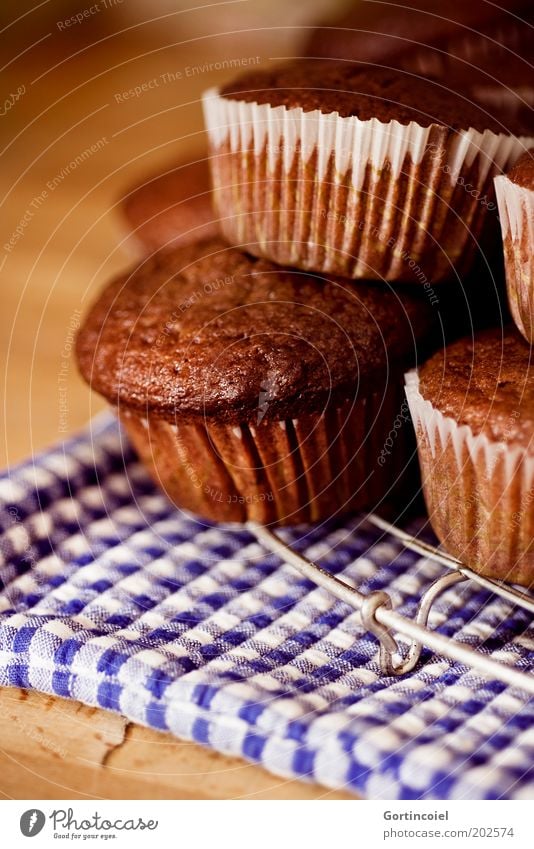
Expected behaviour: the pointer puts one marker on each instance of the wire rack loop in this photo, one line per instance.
(381, 619)
(389, 647)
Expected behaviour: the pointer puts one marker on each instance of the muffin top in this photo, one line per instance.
(201, 331)
(366, 92)
(172, 207)
(522, 174)
(487, 383)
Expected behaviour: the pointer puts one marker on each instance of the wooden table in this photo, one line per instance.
(57, 749)
(63, 237)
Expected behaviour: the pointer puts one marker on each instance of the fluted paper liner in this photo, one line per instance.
(516, 211)
(479, 493)
(288, 471)
(350, 197)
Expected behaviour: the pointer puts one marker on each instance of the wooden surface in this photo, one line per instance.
(71, 239)
(68, 245)
(57, 749)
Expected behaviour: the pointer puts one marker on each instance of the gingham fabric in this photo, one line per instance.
(113, 597)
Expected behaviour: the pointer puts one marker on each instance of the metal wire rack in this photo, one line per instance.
(379, 617)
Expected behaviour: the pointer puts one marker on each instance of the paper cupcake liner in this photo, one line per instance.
(479, 493)
(287, 471)
(516, 211)
(349, 197)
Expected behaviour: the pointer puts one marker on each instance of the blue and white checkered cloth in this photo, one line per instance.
(113, 597)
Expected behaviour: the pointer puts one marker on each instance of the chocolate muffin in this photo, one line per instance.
(365, 173)
(424, 35)
(473, 409)
(515, 196)
(506, 91)
(170, 208)
(255, 392)
(478, 48)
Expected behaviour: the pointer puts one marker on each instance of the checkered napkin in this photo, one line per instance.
(113, 597)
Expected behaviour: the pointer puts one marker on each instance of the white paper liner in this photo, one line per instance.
(516, 211)
(323, 233)
(351, 140)
(481, 505)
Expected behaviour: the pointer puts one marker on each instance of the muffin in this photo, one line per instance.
(255, 392)
(473, 410)
(361, 173)
(424, 34)
(477, 48)
(506, 91)
(515, 197)
(170, 208)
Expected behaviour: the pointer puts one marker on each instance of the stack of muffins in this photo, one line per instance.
(256, 355)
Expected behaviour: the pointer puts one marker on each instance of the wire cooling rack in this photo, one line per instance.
(379, 617)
